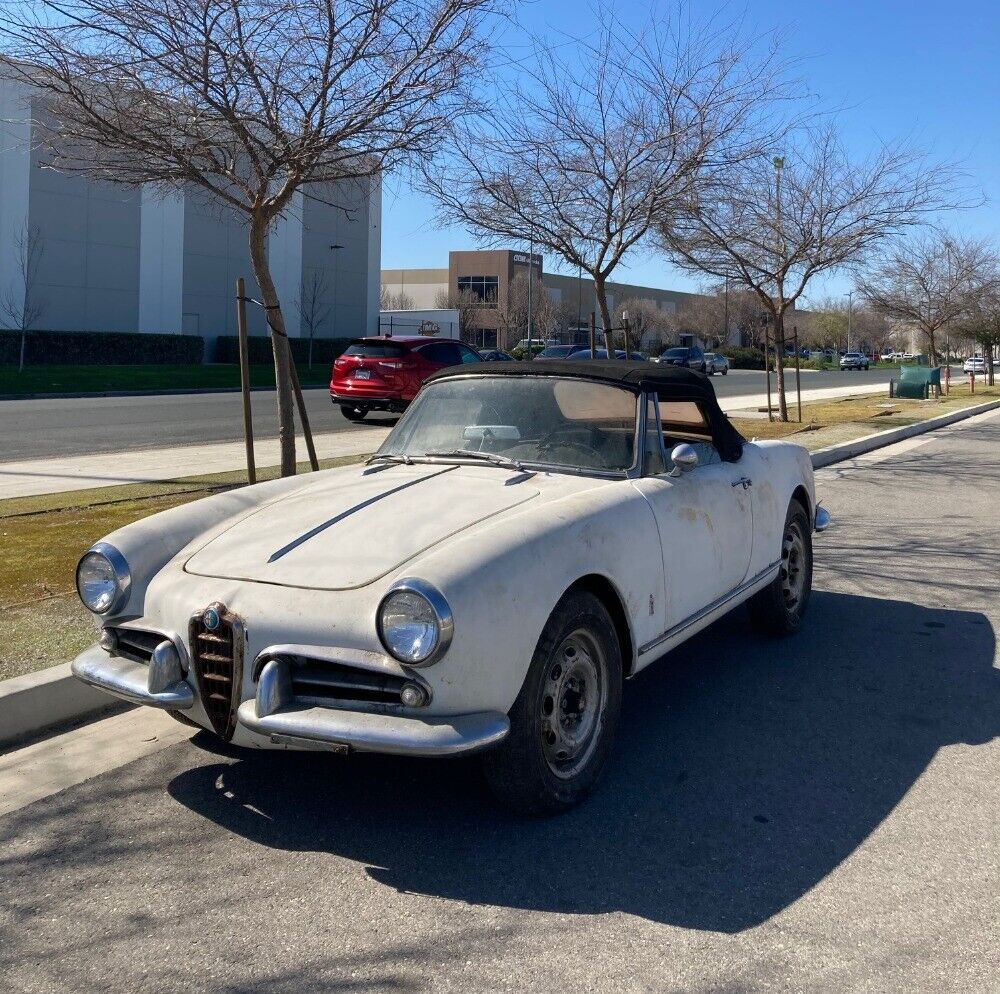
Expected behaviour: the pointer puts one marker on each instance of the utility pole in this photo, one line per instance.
(333, 306)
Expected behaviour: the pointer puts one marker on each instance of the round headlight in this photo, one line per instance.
(102, 579)
(415, 623)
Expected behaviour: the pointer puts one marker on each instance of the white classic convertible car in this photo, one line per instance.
(528, 536)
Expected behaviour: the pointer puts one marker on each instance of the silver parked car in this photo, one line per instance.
(715, 362)
(854, 360)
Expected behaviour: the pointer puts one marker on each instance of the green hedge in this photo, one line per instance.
(227, 349)
(96, 348)
(744, 358)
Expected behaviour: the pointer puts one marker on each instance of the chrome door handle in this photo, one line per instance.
(744, 482)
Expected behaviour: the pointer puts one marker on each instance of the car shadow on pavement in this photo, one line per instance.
(745, 772)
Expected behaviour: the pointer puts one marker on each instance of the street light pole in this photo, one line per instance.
(850, 312)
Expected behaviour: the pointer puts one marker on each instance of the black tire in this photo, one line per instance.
(354, 413)
(704, 368)
(577, 655)
(725, 372)
(779, 608)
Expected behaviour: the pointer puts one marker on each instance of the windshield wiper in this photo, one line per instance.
(387, 457)
(491, 457)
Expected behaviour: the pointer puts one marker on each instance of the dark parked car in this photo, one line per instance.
(384, 374)
(497, 355)
(557, 352)
(684, 355)
(584, 353)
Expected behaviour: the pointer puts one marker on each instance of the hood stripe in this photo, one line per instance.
(322, 527)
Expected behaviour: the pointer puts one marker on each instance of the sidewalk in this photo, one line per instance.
(29, 478)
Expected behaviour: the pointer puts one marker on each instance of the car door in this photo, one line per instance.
(704, 516)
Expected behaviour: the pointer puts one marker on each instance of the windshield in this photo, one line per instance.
(675, 354)
(549, 421)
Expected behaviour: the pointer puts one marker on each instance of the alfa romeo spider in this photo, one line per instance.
(528, 537)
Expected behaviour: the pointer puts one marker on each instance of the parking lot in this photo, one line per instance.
(817, 814)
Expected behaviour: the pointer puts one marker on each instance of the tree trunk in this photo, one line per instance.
(279, 344)
(932, 348)
(600, 292)
(779, 364)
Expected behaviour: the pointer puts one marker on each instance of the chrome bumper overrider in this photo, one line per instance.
(279, 716)
(131, 680)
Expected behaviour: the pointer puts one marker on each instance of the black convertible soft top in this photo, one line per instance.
(670, 382)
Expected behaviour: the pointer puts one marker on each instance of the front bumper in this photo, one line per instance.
(129, 680)
(334, 730)
(286, 720)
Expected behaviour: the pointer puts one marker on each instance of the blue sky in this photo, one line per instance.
(916, 70)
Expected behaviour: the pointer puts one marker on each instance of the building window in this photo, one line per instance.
(482, 288)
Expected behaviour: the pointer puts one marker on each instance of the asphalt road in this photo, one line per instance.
(815, 815)
(41, 428)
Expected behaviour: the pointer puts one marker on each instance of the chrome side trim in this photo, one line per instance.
(329, 728)
(764, 574)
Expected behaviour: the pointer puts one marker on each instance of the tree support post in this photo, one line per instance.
(798, 378)
(241, 327)
(593, 335)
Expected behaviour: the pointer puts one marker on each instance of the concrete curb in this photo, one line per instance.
(868, 443)
(32, 704)
(36, 702)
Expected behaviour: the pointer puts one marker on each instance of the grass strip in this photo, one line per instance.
(108, 379)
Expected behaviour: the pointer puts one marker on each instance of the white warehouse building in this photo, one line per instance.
(113, 258)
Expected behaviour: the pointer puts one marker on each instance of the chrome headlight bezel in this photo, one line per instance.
(119, 569)
(439, 608)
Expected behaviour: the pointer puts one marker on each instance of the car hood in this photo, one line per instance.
(354, 526)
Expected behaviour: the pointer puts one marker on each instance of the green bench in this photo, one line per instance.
(916, 382)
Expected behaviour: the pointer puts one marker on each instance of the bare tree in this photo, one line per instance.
(468, 306)
(313, 304)
(254, 101)
(982, 325)
(401, 301)
(647, 323)
(772, 224)
(596, 141)
(21, 304)
(384, 298)
(931, 282)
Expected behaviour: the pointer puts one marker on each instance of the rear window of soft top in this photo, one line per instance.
(376, 350)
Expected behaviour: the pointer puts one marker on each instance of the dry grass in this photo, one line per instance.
(872, 412)
(43, 538)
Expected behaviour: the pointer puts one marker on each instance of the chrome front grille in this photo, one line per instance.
(326, 682)
(217, 661)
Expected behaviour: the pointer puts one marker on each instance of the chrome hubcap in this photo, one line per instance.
(793, 567)
(574, 695)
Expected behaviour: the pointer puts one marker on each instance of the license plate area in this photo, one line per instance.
(361, 374)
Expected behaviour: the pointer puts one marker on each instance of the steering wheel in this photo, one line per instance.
(550, 440)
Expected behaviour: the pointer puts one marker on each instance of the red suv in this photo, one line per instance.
(384, 374)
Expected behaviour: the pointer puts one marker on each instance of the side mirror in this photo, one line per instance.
(684, 459)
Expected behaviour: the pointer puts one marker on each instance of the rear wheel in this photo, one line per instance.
(778, 609)
(564, 719)
(354, 413)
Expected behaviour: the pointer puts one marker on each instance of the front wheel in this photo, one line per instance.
(354, 413)
(563, 722)
(725, 372)
(778, 609)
